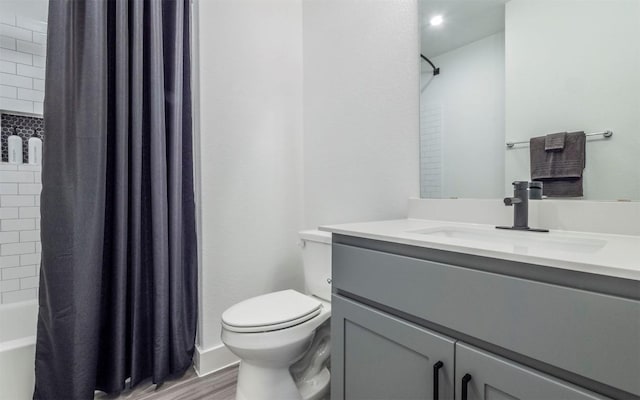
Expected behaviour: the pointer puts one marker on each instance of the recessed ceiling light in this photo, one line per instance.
(436, 20)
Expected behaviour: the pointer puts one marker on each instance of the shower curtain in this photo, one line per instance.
(119, 267)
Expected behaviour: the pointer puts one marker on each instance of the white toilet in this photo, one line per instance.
(273, 331)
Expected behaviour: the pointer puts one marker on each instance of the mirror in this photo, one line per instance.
(511, 70)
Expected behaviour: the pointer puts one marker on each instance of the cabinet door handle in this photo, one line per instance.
(436, 388)
(465, 386)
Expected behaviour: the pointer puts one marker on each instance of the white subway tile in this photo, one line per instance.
(38, 108)
(37, 203)
(9, 92)
(16, 56)
(29, 167)
(7, 67)
(30, 259)
(31, 24)
(31, 48)
(15, 32)
(29, 212)
(16, 176)
(40, 38)
(9, 261)
(17, 225)
(9, 285)
(30, 94)
(16, 80)
(30, 188)
(38, 84)
(7, 18)
(8, 188)
(10, 237)
(30, 282)
(29, 236)
(31, 72)
(7, 42)
(9, 212)
(9, 200)
(19, 295)
(39, 61)
(18, 272)
(38, 248)
(7, 167)
(16, 105)
(10, 249)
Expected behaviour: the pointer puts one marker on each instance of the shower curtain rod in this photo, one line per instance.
(436, 70)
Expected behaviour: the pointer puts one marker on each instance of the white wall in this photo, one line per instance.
(250, 95)
(462, 129)
(260, 179)
(573, 65)
(22, 62)
(361, 81)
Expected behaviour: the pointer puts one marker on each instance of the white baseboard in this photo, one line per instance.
(207, 361)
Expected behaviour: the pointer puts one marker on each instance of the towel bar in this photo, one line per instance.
(606, 134)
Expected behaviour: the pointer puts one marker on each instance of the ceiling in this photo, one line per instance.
(465, 21)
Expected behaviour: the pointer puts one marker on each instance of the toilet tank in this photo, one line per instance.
(316, 259)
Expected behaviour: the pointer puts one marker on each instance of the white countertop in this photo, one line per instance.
(596, 253)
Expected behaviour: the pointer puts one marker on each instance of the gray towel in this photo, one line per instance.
(561, 171)
(555, 141)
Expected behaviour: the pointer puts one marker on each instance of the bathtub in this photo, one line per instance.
(17, 349)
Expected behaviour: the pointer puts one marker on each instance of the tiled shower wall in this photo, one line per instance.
(20, 248)
(22, 74)
(430, 150)
(22, 63)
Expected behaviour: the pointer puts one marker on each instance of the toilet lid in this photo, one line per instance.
(271, 311)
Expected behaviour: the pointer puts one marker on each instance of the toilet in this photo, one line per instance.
(282, 338)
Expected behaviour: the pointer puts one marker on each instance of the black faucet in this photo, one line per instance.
(520, 203)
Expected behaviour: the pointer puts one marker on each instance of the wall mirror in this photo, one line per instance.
(505, 71)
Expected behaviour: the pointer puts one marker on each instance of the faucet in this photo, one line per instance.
(520, 204)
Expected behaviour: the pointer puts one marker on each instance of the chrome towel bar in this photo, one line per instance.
(606, 134)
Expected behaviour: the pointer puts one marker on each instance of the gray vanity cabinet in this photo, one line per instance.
(495, 378)
(398, 310)
(387, 358)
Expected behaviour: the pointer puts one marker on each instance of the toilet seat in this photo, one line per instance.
(270, 312)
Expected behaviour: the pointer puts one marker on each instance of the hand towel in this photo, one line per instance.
(555, 141)
(561, 171)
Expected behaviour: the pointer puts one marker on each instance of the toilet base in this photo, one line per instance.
(260, 383)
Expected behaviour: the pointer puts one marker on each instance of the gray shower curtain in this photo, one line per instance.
(119, 266)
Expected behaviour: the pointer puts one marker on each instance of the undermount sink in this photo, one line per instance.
(522, 241)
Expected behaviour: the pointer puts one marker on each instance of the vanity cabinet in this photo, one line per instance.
(484, 376)
(376, 356)
(397, 310)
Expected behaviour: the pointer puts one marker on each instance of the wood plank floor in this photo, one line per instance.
(220, 385)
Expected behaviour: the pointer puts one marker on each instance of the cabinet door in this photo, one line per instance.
(377, 356)
(495, 378)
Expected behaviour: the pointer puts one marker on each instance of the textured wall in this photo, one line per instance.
(361, 109)
(261, 178)
(250, 99)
